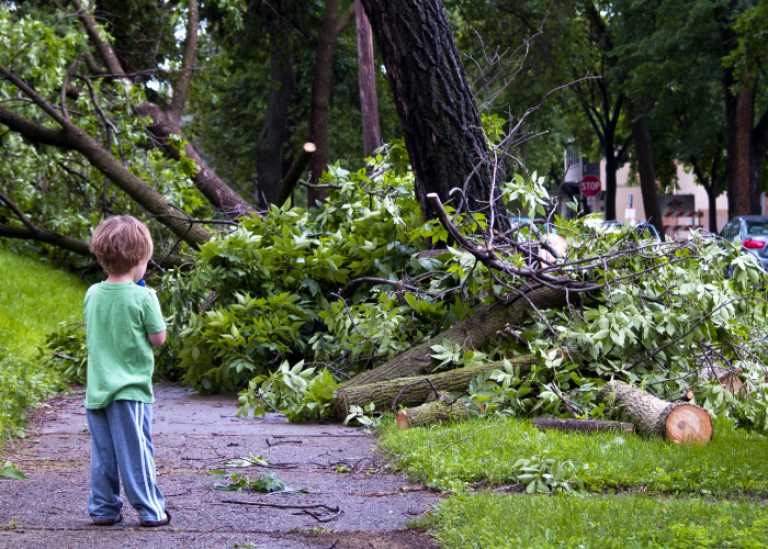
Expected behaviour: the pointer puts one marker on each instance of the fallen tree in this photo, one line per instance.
(677, 421)
(413, 391)
(432, 412)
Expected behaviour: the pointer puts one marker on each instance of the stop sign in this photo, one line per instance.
(590, 185)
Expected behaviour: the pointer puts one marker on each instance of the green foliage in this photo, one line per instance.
(541, 475)
(300, 393)
(23, 383)
(482, 450)
(68, 342)
(478, 521)
(34, 299)
(265, 484)
(9, 470)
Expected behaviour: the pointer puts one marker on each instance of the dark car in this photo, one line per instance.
(752, 232)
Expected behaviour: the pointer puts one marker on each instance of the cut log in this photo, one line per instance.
(413, 391)
(432, 412)
(586, 425)
(679, 422)
(472, 333)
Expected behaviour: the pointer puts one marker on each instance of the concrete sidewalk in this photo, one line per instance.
(193, 435)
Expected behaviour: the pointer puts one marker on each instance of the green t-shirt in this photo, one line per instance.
(120, 359)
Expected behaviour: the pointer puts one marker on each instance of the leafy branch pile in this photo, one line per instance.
(298, 308)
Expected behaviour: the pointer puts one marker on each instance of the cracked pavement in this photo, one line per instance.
(193, 435)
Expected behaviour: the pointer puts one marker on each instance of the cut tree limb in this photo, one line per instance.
(677, 421)
(472, 333)
(586, 425)
(291, 179)
(414, 391)
(432, 412)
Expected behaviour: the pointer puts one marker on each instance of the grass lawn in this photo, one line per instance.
(34, 298)
(485, 520)
(734, 463)
(650, 493)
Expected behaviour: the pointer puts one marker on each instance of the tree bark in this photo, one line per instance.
(442, 128)
(651, 416)
(642, 140)
(413, 391)
(431, 413)
(584, 425)
(287, 185)
(472, 333)
(742, 152)
(320, 102)
(168, 122)
(369, 105)
(73, 138)
(269, 147)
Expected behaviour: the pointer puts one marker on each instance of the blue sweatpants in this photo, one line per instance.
(121, 440)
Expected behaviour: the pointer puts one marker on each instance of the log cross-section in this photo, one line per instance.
(677, 421)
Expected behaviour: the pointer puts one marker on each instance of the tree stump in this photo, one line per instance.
(679, 422)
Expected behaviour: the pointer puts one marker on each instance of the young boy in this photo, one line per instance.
(123, 322)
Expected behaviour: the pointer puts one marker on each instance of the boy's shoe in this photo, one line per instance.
(156, 523)
(108, 522)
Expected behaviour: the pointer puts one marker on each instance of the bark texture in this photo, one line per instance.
(642, 139)
(435, 104)
(472, 332)
(294, 173)
(651, 416)
(321, 97)
(412, 391)
(269, 147)
(431, 413)
(584, 425)
(369, 104)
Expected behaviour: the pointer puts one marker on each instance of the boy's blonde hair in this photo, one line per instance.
(120, 243)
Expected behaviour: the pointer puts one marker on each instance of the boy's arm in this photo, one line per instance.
(157, 339)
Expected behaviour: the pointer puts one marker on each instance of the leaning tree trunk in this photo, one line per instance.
(442, 128)
(677, 421)
(414, 391)
(472, 332)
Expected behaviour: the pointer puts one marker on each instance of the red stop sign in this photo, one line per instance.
(590, 185)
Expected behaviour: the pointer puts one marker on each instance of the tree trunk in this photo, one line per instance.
(472, 333)
(651, 416)
(611, 165)
(369, 105)
(431, 413)
(269, 147)
(584, 425)
(413, 391)
(642, 140)
(442, 128)
(319, 104)
(712, 201)
(742, 153)
(291, 179)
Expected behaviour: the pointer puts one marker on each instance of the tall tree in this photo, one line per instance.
(332, 25)
(443, 131)
(369, 103)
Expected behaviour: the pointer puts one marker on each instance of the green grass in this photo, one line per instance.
(34, 299)
(735, 462)
(485, 521)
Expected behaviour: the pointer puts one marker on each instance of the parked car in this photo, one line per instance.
(645, 230)
(751, 231)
